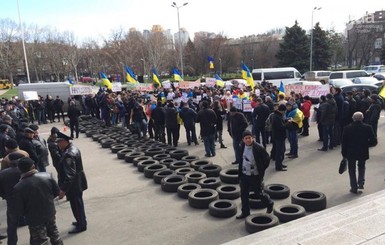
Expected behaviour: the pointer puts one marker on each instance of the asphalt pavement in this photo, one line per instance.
(124, 207)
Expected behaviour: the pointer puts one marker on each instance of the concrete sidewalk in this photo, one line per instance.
(360, 221)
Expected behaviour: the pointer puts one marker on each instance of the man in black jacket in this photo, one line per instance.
(34, 197)
(58, 105)
(27, 145)
(207, 119)
(357, 137)
(159, 117)
(189, 116)
(73, 115)
(236, 124)
(72, 180)
(278, 128)
(260, 113)
(251, 171)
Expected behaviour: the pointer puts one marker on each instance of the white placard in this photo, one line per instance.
(116, 87)
(166, 84)
(30, 95)
(80, 90)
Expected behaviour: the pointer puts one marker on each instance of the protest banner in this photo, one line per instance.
(166, 84)
(210, 82)
(143, 87)
(80, 90)
(187, 84)
(116, 87)
(247, 106)
(30, 95)
(313, 91)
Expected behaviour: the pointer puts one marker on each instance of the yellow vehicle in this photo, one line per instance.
(5, 84)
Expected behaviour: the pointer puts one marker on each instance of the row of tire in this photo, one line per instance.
(199, 181)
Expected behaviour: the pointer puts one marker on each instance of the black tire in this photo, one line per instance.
(201, 198)
(145, 163)
(310, 200)
(136, 160)
(149, 171)
(277, 191)
(159, 157)
(212, 170)
(153, 151)
(103, 138)
(130, 156)
(124, 151)
(179, 164)
(195, 177)
(129, 142)
(96, 137)
(190, 158)
(230, 192)
(117, 147)
(210, 183)
(199, 163)
(167, 161)
(260, 221)
(107, 143)
(256, 203)
(178, 154)
(222, 208)
(172, 182)
(89, 133)
(158, 176)
(289, 212)
(184, 171)
(185, 189)
(229, 176)
(168, 149)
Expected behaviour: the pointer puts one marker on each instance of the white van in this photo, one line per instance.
(348, 74)
(276, 75)
(374, 69)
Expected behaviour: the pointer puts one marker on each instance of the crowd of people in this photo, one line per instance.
(274, 117)
(28, 189)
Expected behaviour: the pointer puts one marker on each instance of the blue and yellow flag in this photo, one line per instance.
(177, 75)
(246, 74)
(210, 59)
(219, 81)
(70, 81)
(130, 75)
(105, 81)
(281, 87)
(155, 77)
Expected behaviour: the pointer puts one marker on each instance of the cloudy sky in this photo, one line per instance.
(98, 18)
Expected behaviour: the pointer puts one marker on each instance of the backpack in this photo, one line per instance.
(269, 123)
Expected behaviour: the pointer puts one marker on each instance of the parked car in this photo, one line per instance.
(374, 68)
(379, 76)
(86, 79)
(321, 76)
(340, 82)
(365, 80)
(359, 88)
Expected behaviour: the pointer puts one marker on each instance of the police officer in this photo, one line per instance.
(72, 180)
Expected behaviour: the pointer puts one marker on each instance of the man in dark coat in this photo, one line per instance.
(27, 145)
(260, 113)
(73, 115)
(329, 112)
(189, 116)
(9, 177)
(236, 124)
(207, 119)
(34, 197)
(278, 129)
(251, 171)
(172, 126)
(357, 137)
(372, 114)
(72, 180)
(159, 117)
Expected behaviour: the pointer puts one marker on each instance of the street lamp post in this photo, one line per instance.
(144, 67)
(311, 38)
(180, 40)
(23, 43)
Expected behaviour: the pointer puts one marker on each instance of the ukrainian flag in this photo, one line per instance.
(210, 59)
(155, 77)
(105, 80)
(219, 82)
(281, 87)
(70, 81)
(246, 74)
(177, 75)
(130, 75)
(382, 92)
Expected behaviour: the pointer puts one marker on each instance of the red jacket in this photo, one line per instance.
(305, 108)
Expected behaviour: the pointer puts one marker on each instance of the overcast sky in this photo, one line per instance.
(97, 18)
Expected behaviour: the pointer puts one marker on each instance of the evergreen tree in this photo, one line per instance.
(294, 50)
(321, 49)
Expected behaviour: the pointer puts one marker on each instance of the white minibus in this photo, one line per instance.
(276, 75)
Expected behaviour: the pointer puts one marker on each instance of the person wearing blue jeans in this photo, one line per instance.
(209, 142)
(207, 119)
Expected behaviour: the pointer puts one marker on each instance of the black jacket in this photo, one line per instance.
(219, 114)
(278, 126)
(236, 124)
(171, 117)
(71, 176)
(188, 116)
(27, 145)
(9, 177)
(34, 197)
(159, 115)
(261, 157)
(357, 137)
(260, 114)
(73, 113)
(207, 119)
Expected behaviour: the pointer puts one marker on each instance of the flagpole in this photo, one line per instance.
(22, 40)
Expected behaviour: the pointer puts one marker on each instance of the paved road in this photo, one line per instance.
(124, 207)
